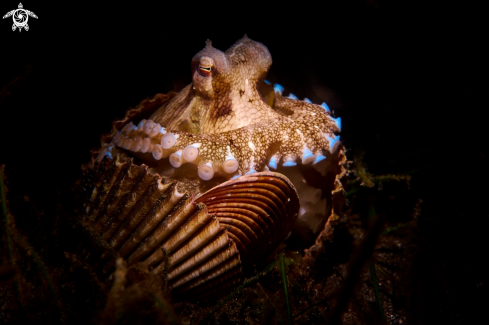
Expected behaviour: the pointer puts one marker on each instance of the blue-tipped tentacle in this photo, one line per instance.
(252, 170)
(333, 143)
(289, 163)
(326, 107)
(307, 156)
(273, 162)
(319, 158)
(338, 122)
(278, 88)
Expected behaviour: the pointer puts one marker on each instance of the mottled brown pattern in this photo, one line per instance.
(223, 105)
(217, 101)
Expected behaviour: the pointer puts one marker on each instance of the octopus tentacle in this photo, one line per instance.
(302, 135)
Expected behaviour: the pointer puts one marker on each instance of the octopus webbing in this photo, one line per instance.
(219, 140)
(222, 124)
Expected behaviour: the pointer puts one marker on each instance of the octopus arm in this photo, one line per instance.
(176, 114)
(308, 112)
(286, 138)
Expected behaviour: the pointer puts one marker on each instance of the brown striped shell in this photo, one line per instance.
(200, 244)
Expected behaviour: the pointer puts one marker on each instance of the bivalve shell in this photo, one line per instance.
(201, 245)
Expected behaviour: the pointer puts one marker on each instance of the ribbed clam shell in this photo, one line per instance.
(257, 210)
(201, 245)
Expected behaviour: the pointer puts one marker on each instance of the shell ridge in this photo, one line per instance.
(166, 227)
(158, 211)
(137, 189)
(132, 219)
(112, 200)
(98, 194)
(200, 257)
(110, 188)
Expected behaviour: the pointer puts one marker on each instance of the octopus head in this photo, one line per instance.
(230, 122)
(212, 68)
(223, 95)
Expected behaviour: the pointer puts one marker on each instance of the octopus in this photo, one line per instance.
(230, 128)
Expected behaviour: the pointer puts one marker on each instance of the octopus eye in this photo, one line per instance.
(205, 66)
(205, 71)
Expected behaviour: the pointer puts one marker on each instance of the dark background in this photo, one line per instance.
(405, 77)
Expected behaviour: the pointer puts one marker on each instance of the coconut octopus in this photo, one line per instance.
(202, 185)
